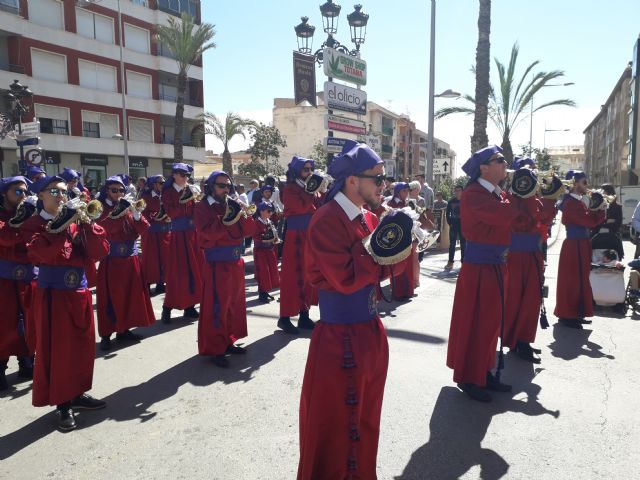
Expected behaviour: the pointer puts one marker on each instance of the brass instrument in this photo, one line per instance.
(424, 238)
(161, 215)
(236, 209)
(191, 193)
(126, 204)
(90, 212)
(26, 208)
(598, 200)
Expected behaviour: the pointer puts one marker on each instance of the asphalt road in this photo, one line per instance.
(172, 414)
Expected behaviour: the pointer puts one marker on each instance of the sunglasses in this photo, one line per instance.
(19, 192)
(497, 160)
(223, 185)
(57, 192)
(184, 174)
(377, 179)
(117, 190)
(307, 169)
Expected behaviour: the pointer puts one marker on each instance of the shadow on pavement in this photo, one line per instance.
(414, 336)
(136, 403)
(569, 344)
(18, 387)
(458, 426)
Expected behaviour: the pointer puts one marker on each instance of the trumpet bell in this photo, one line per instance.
(94, 209)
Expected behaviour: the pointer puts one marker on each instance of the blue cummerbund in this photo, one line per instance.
(298, 222)
(123, 249)
(17, 271)
(485, 253)
(525, 242)
(61, 277)
(577, 232)
(223, 254)
(182, 224)
(357, 307)
(160, 227)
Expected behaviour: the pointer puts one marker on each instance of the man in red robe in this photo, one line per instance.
(182, 276)
(122, 293)
(478, 305)
(16, 274)
(156, 239)
(404, 283)
(265, 254)
(61, 307)
(346, 369)
(574, 299)
(296, 293)
(221, 232)
(525, 265)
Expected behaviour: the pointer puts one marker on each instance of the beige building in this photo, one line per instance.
(606, 138)
(213, 161)
(567, 157)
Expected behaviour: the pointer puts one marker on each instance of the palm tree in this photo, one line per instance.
(187, 42)
(511, 104)
(483, 85)
(224, 131)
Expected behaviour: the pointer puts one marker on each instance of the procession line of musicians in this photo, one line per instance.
(338, 247)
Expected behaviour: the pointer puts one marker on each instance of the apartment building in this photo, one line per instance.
(68, 53)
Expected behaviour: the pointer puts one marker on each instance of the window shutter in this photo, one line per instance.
(49, 66)
(136, 38)
(108, 125)
(104, 28)
(84, 23)
(47, 13)
(55, 113)
(105, 78)
(93, 117)
(138, 85)
(140, 130)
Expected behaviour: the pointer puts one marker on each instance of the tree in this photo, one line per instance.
(187, 42)
(511, 103)
(266, 140)
(319, 156)
(542, 158)
(233, 125)
(483, 85)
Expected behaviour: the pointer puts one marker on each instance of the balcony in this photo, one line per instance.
(11, 6)
(386, 148)
(177, 7)
(387, 131)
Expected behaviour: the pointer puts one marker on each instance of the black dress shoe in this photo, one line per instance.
(105, 344)
(191, 312)
(66, 420)
(570, 323)
(25, 367)
(87, 402)
(584, 321)
(525, 352)
(128, 336)
(271, 297)
(221, 361)
(166, 315)
(496, 385)
(304, 321)
(285, 324)
(263, 297)
(159, 289)
(236, 350)
(535, 350)
(475, 392)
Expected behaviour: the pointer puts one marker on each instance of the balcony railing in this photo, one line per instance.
(387, 131)
(177, 7)
(387, 148)
(11, 6)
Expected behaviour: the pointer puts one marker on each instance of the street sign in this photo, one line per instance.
(390, 168)
(442, 166)
(346, 99)
(33, 157)
(304, 78)
(374, 143)
(31, 129)
(344, 124)
(344, 67)
(24, 140)
(334, 144)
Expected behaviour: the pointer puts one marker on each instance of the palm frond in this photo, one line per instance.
(446, 111)
(563, 101)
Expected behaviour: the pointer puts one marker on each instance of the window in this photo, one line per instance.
(107, 124)
(47, 13)
(48, 66)
(97, 76)
(167, 132)
(140, 130)
(179, 6)
(92, 25)
(138, 84)
(136, 39)
(11, 6)
(90, 129)
(54, 120)
(139, 2)
(168, 92)
(165, 51)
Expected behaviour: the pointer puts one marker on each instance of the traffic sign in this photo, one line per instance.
(344, 124)
(442, 166)
(29, 128)
(33, 156)
(334, 144)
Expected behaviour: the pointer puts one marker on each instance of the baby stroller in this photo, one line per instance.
(607, 273)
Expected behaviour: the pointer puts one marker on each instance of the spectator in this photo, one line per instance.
(241, 195)
(254, 186)
(440, 202)
(426, 192)
(455, 228)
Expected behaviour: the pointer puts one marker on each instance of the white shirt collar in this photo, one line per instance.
(490, 186)
(399, 200)
(211, 200)
(263, 220)
(154, 193)
(177, 187)
(109, 202)
(46, 215)
(350, 208)
(576, 196)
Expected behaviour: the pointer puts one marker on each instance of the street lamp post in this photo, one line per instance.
(531, 111)
(16, 94)
(84, 3)
(544, 144)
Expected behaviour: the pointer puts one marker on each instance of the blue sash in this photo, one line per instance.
(23, 272)
(223, 254)
(525, 242)
(160, 227)
(182, 224)
(123, 249)
(577, 232)
(357, 307)
(298, 222)
(61, 277)
(485, 253)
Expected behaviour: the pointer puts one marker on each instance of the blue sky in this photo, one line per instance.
(590, 40)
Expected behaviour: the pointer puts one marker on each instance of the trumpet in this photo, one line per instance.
(191, 193)
(90, 212)
(598, 200)
(161, 215)
(424, 238)
(236, 209)
(125, 204)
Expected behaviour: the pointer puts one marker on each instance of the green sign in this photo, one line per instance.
(344, 67)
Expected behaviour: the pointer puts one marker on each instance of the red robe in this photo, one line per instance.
(404, 283)
(477, 305)
(574, 299)
(16, 333)
(182, 277)
(340, 440)
(63, 319)
(223, 308)
(122, 294)
(296, 293)
(265, 260)
(155, 244)
(547, 215)
(522, 304)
